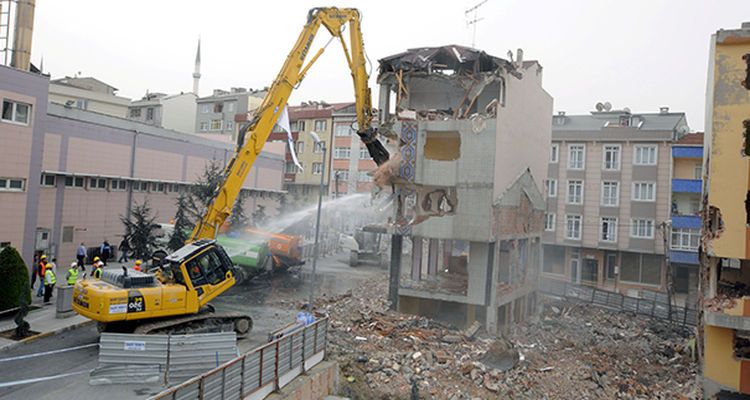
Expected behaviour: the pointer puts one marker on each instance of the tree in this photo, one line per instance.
(181, 224)
(139, 229)
(23, 329)
(259, 216)
(14, 284)
(238, 219)
(203, 191)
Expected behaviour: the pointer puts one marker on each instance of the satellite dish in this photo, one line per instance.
(626, 109)
(607, 106)
(599, 106)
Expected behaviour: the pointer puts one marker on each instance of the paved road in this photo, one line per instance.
(272, 301)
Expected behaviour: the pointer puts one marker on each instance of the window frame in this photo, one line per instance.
(44, 183)
(568, 192)
(550, 184)
(550, 220)
(571, 218)
(649, 226)
(345, 149)
(339, 128)
(7, 182)
(638, 147)
(114, 185)
(612, 226)
(618, 155)
(602, 201)
(364, 154)
(635, 192)
(320, 125)
(582, 147)
(554, 153)
(318, 147)
(211, 125)
(95, 181)
(206, 108)
(319, 168)
(14, 112)
(682, 235)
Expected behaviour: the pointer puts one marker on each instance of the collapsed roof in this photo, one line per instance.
(460, 59)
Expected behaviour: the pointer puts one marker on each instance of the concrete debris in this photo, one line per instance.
(472, 330)
(566, 352)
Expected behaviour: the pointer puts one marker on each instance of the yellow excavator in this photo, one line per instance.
(175, 299)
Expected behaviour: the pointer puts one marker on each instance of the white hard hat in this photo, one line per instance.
(73, 264)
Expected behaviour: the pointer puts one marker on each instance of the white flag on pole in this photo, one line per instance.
(283, 123)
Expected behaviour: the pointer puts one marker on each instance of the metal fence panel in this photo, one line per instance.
(269, 365)
(128, 349)
(191, 355)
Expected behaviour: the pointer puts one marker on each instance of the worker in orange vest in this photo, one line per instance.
(137, 266)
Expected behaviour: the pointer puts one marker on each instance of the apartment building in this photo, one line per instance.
(467, 194)
(175, 112)
(352, 164)
(87, 93)
(608, 198)
(725, 265)
(223, 111)
(67, 175)
(687, 183)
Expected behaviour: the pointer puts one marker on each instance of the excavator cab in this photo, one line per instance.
(203, 267)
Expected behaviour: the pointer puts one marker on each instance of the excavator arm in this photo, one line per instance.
(255, 134)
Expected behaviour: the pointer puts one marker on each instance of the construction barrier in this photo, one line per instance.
(260, 372)
(651, 304)
(174, 357)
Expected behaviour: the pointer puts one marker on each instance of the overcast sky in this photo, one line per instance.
(641, 54)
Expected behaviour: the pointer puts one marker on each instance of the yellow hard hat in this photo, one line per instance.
(43, 257)
(48, 265)
(137, 262)
(96, 259)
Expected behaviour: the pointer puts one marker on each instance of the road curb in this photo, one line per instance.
(30, 339)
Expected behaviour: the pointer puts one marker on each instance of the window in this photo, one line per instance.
(364, 154)
(16, 112)
(624, 120)
(158, 187)
(342, 152)
(318, 147)
(549, 222)
(550, 187)
(573, 227)
(300, 147)
(205, 108)
(48, 180)
(642, 228)
(554, 153)
(640, 268)
(575, 192)
(173, 188)
(150, 114)
(343, 130)
(608, 231)
(290, 168)
(74, 181)
(364, 176)
(97, 183)
(685, 239)
(644, 191)
(610, 194)
(11, 185)
(644, 155)
(301, 125)
(140, 186)
(135, 113)
(576, 156)
(216, 124)
(698, 171)
(218, 107)
(610, 266)
(575, 263)
(343, 174)
(82, 104)
(230, 107)
(317, 168)
(204, 126)
(611, 161)
(229, 125)
(320, 125)
(293, 126)
(118, 184)
(554, 259)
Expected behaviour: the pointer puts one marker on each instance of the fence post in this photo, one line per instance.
(166, 367)
(223, 382)
(315, 339)
(200, 388)
(276, 368)
(291, 351)
(260, 375)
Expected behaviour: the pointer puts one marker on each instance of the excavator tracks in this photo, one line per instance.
(203, 322)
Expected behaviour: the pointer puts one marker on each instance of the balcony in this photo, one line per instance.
(686, 185)
(684, 257)
(687, 152)
(732, 313)
(686, 222)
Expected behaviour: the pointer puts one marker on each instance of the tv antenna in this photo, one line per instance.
(474, 20)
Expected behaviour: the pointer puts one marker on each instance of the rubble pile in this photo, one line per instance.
(568, 351)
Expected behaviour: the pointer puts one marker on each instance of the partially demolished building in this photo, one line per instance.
(473, 133)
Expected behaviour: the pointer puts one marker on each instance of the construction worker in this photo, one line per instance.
(137, 266)
(49, 282)
(97, 270)
(39, 271)
(72, 275)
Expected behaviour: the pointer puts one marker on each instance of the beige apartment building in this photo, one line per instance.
(608, 194)
(86, 93)
(352, 164)
(67, 175)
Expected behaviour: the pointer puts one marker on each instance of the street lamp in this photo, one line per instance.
(322, 144)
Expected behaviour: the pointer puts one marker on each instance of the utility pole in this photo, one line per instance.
(473, 21)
